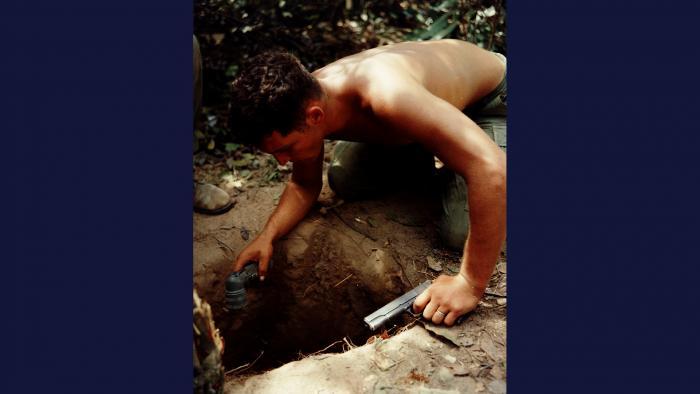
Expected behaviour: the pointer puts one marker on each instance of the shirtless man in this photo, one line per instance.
(410, 94)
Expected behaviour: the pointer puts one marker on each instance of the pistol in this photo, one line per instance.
(396, 307)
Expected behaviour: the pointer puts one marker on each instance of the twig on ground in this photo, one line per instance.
(495, 294)
(346, 278)
(301, 355)
(224, 244)
(406, 223)
(246, 365)
(352, 226)
(349, 343)
(428, 274)
(307, 290)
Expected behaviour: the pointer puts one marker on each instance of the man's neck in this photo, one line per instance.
(336, 116)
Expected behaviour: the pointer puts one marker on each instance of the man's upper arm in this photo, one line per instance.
(437, 125)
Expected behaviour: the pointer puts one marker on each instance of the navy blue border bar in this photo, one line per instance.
(602, 196)
(602, 200)
(102, 124)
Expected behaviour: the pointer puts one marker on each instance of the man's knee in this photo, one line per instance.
(496, 128)
(360, 170)
(339, 181)
(454, 220)
(346, 175)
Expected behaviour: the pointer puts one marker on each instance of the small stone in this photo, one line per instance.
(489, 347)
(501, 267)
(497, 372)
(474, 369)
(450, 359)
(497, 386)
(210, 198)
(358, 220)
(444, 375)
(382, 361)
(469, 385)
(501, 301)
(434, 264)
(369, 383)
(460, 369)
(449, 333)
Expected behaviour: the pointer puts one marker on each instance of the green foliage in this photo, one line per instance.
(319, 32)
(211, 130)
(480, 22)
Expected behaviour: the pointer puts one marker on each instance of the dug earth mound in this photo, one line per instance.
(344, 261)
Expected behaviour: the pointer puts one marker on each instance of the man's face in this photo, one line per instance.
(295, 146)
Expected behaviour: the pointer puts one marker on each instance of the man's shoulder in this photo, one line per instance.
(377, 80)
(364, 84)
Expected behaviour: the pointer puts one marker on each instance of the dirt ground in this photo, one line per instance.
(344, 261)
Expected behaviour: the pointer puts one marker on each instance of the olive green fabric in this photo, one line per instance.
(360, 170)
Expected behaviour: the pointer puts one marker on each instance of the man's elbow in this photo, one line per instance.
(496, 175)
(492, 173)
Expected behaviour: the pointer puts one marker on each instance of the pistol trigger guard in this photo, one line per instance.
(409, 309)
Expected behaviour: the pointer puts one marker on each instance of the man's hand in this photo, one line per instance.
(448, 298)
(296, 200)
(259, 250)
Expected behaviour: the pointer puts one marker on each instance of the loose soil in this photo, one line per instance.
(342, 262)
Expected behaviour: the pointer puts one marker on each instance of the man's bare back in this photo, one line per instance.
(455, 71)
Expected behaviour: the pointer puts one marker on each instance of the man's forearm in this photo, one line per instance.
(487, 202)
(295, 202)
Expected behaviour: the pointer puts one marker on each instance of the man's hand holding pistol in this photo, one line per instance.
(447, 306)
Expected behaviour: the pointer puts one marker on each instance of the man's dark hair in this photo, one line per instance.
(269, 95)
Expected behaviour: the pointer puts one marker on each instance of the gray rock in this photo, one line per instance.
(497, 386)
(444, 376)
(434, 264)
(208, 197)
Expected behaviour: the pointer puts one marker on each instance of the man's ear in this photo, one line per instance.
(314, 115)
